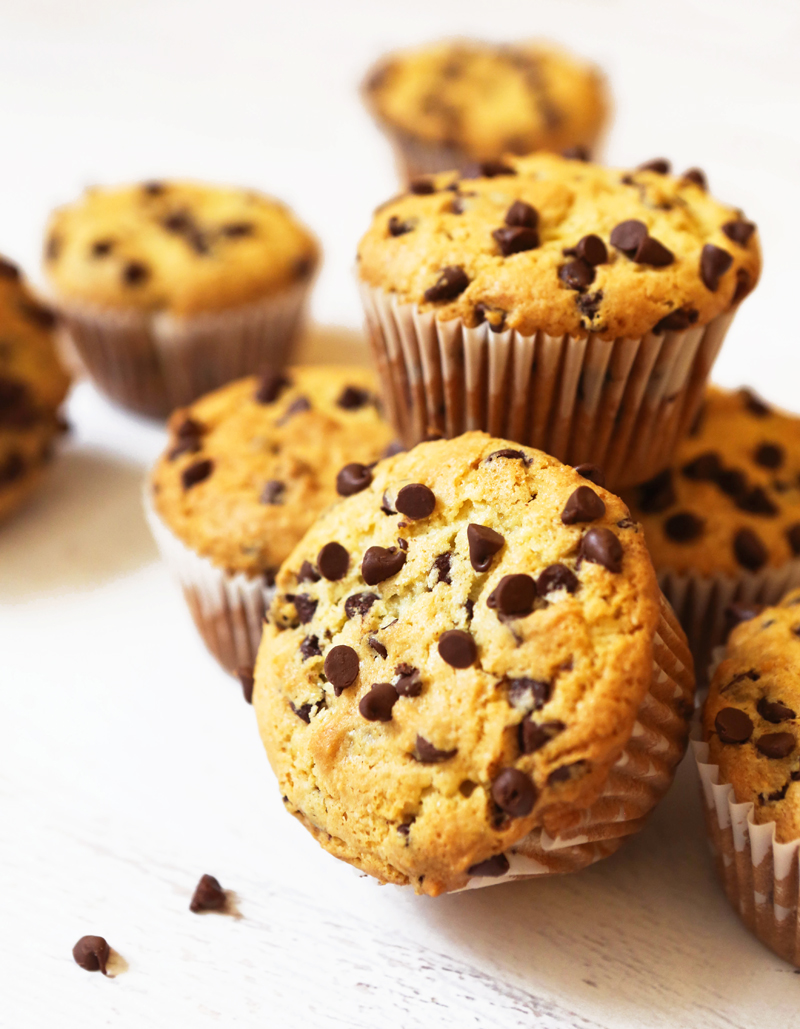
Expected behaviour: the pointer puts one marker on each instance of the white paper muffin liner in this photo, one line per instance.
(622, 404)
(759, 874)
(228, 610)
(152, 362)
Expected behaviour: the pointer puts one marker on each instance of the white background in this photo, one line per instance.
(129, 764)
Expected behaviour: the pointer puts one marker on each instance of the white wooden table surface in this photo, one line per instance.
(129, 764)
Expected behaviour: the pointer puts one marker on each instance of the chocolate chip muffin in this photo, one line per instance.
(170, 289)
(247, 470)
(458, 102)
(723, 523)
(32, 387)
(750, 767)
(557, 303)
(467, 673)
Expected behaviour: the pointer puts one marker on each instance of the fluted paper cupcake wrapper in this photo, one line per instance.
(152, 363)
(759, 874)
(699, 602)
(621, 404)
(228, 610)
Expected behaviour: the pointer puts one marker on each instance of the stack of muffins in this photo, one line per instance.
(445, 585)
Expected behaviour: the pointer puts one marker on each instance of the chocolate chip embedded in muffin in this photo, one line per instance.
(451, 283)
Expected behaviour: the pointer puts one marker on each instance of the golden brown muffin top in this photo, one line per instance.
(546, 244)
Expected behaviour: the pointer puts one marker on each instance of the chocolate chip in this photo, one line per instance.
(92, 953)
(660, 165)
(197, 472)
(651, 252)
(409, 684)
(697, 176)
(304, 711)
(484, 543)
(774, 711)
(732, 481)
(658, 493)
(245, 676)
(756, 501)
(683, 527)
(576, 153)
(533, 736)
(381, 563)
(305, 607)
(754, 404)
(442, 567)
(208, 895)
(270, 387)
(793, 537)
(237, 230)
(377, 646)
(514, 793)
(405, 828)
(735, 614)
(398, 227)
(628, 236)
(601, 547)
(296, 407)
(577, 274)
(567, 772)
(353, 397)
(359, 603)
(513, 596)
(528, 694)
(415, 501)
(12, 468)
(421, 187)
(769, 455)
(513, 455)
(749, 551)
(102, 247)
(273, 491)
(515, 239)
(451, 283)
(733, 725)
(154, 189)
(584, 505)
(427, 754)
(592, 250)
(493, 169)
(493, 866)
(376, 706)
(308, 573)
(592, 472)
(677, 320)
(705, 467)
(333, 561)
(556, 577)
(776, 745)
(457, 648)
(714, 262)
(353, 478)
(743, 285)
(135, 273)
(739, 231)
(341, 667)
(750, 674)
(310, 647)
(9, 270)
(521, 215)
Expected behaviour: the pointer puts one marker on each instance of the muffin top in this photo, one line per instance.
(731, 501)
(250, 466)
(547, 244)
(750, 717)
(489, 99)
(178, 247)
(454, 656)
(32, 384)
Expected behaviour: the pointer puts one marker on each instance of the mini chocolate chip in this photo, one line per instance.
(493, 866)
(651, 252)
(484, 543)
(739, 231)
(305, 607)
(451, 283)
(515, 239)
(245, 676)
(514, 455)
(556, 577)
(567, 772)
(353, 478)
(376, 706)
(658, 493)
(749, 550)
(208, 895)
(457, 648)
(135, 273)
(296, 407)
(735, 614)
(793, 537)
(272, 492)
(442, 567)
(427, 754)
(308, 573)
(591, 249)
(584, 505)
(353, 397)
(754, 404)
(676, 321)
(576, 153)
(697, 176)
(381, 563)
(714, 262)
(660, 165)
(513, 596)
(774, 711)
(769, 455)
(102, 247)
(405, 828)
(310, 647)
(493, 169)
(514, 793)
(398, 227)
(733, 725)
(270, 387)
(602, 547)
(237, 230)
(333, 561)
(628, 236)
(577, 274)
(409, 684)
(92, 953)
(705, 467)
(421, 187)
(756, 501)
(533, 736)
(776, 745)
(197, 472)
(377, 646)
(522, 215)
(341, 667)
(359, 603)
(528, 694)
(415, 501)
(592, 472)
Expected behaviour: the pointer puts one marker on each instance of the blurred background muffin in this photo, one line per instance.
(171, 289)
(457, 103)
